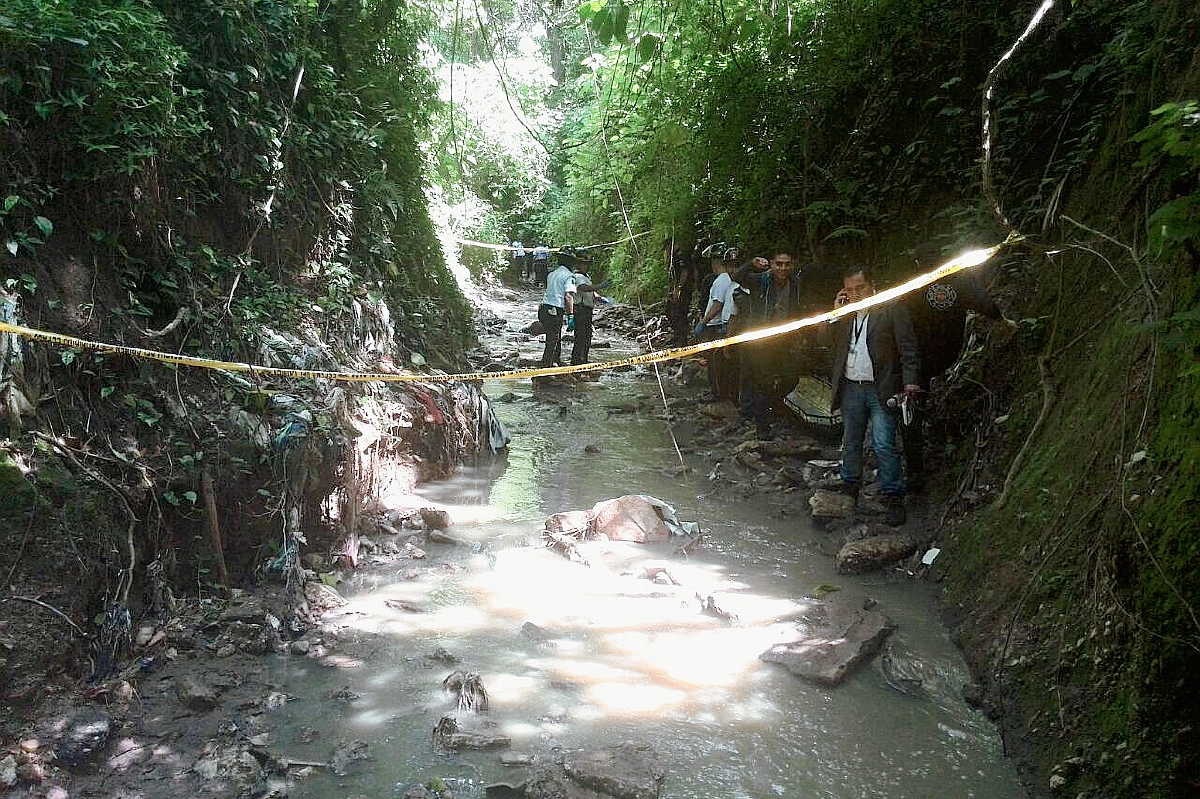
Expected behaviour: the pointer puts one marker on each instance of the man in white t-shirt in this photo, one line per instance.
(714, 324)
(557, 302)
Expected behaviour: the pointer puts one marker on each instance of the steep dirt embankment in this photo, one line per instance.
(128, 485)
(1070, 535)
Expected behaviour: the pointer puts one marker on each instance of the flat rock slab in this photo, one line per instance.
(874, 552)
(625, 771)
(836, 642)
(831, 504)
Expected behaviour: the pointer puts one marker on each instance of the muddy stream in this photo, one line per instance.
(616, 656)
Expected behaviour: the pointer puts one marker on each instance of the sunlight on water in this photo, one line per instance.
(576, 655)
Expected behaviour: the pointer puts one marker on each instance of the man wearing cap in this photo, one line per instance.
(557, 302)
(585, 302)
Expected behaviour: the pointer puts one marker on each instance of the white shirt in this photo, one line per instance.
(559, 284)
(541, 253)
(858, 359)
(722, 291)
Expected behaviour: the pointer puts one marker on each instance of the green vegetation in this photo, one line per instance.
(256, 161)
(241, 178)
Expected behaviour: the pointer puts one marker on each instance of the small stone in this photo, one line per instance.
(300, 647)
(8, 772)
(196, 694)
(1057, 781)
(435, 519)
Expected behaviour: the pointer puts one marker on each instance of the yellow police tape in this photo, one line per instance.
(958, 264)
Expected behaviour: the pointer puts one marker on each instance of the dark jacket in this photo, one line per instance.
(939, 315)
(893, 348)
(761, 304)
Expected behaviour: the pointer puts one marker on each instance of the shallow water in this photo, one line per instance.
(627, 658)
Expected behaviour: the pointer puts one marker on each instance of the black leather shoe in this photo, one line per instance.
(895, 511)
(849, 490)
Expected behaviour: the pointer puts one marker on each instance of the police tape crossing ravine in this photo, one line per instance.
(960, 263)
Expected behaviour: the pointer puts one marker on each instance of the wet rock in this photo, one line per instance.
(321, 597)
(711, 605)
(516, 758)
(86, 735)
(413, 551)
(467, 689)
(571, 522)
(626, 771)
(347, 753)
(874, 552)
(833, 642)
(227, 769)
(435, 519)
(439, 656)
(249, 611)
(831, 505)
(504, 790)
(534, 632)
(789, 448)
(250, 639)
(477, 740)
(8, 771)
(195, 693)
(448, 735)
(789, 476)
(366, 545)
(630, 518)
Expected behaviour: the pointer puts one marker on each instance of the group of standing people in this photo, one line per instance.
(569, 301)
(531, 264)
(737, 296)
(881, 361)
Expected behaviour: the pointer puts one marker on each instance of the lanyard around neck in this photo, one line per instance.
(859, 327)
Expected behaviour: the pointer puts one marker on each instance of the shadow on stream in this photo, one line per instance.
(575, 657)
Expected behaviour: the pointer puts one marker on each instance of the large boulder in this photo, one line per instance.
(834, 639)
(629, 518)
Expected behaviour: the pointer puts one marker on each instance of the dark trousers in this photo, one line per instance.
(583, 334)
(540, 270)
(552, 322)
(768, 373)
(722, 365)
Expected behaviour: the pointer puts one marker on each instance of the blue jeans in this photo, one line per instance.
(860, 403)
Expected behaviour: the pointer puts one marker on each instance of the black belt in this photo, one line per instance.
(861, 382)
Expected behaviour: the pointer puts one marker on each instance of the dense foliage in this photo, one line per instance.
(260, 157)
